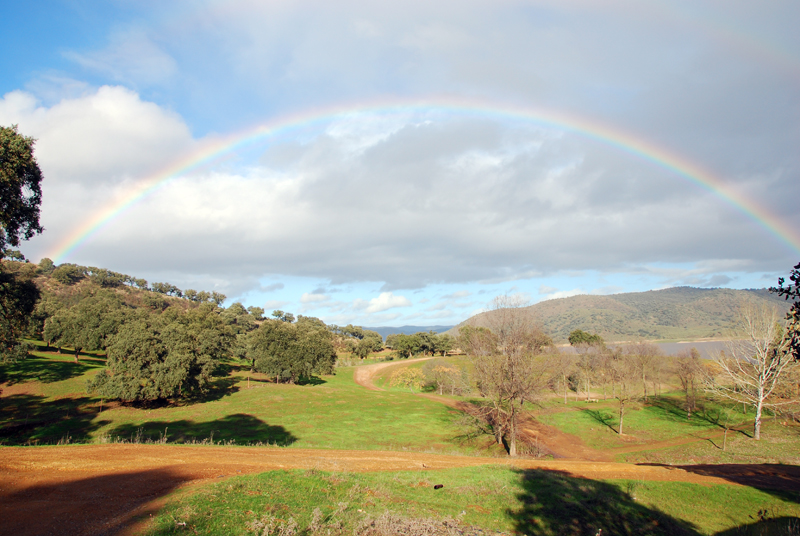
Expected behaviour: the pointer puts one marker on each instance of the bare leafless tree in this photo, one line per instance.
(749, 371)
(646, 356)
(625, 367)
(688, 369)
(561, 365)
(515, 372)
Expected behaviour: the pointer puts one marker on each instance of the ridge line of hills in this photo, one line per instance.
(673, 314)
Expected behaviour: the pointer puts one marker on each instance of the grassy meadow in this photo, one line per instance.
(44, 401)
(489, 498)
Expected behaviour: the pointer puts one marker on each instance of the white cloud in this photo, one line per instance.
(272, 305)
(385, 301)
(313, 298)
(103, 137)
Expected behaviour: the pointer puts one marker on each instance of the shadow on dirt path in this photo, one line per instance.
(102, 504)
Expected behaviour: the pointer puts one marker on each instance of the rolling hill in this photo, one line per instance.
(681, 313)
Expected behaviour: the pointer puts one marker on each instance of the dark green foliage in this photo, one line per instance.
(20, 188)
(69, 274)
(239, 319)
(18, 297)
(46, 266)
(168, 289)
(792, 292)
(107, 278)
(154, 301)
(256, 312)
(164, 356)
(404, 345)
(88, 325)
(579, 337)
(14, 255)
(282, 316)
(292, 351)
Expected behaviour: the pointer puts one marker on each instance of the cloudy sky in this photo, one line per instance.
(403, 163)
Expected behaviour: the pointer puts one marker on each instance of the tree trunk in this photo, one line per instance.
(512, 425)
(688, 405)
(621, 416)
(76, 354)
(757, 423)
(565, 390)
(644, 384)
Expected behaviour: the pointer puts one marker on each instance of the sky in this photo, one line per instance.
(395, 163)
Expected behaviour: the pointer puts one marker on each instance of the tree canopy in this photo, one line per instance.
(580, 337)
(292, 351)
(20, 197)
(20, 188)
(158, 356)
(792, 291)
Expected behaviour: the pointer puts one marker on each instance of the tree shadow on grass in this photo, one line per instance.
(603, 417)
(782, 481)
(32, 419)
(217, 389)
(44, 370)
(552, 502)
(674, 410)
(105, 504)
(311, 380)
(239, 428)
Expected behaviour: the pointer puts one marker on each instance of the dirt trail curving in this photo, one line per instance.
(110, 489)
(364, 374)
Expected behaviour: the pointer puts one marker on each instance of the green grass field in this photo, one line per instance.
(44, 401)
(51, 405)
(494, 498)
(660, 419)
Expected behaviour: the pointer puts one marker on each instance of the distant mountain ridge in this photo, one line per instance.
(680, 313)
(408, 330)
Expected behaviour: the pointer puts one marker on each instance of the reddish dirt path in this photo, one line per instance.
(110, 489)
(364, 374)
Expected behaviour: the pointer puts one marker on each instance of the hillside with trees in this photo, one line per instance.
(681, 313)
(161, 342)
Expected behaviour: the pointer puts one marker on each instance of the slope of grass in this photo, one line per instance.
(779, 443)
(492, 498)
(45, 401)
(660, 419)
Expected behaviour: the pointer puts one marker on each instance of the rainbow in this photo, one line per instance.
(212, 150)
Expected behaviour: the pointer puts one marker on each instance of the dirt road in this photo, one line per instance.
(365, 374)
(110, 489)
